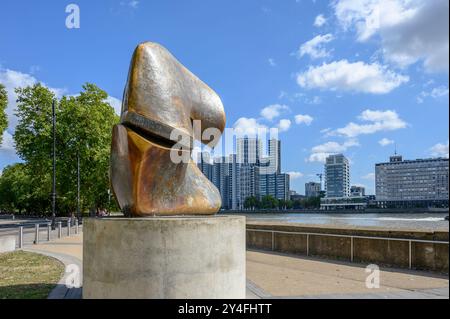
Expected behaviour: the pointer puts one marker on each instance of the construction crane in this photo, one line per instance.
(320, 178)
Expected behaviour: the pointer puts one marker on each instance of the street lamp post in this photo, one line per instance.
(54, 167)
(78, 186)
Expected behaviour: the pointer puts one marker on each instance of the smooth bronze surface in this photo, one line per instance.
(162, 95)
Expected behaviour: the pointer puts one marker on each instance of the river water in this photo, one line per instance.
(415, 221)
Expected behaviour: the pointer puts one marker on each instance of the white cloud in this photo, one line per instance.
(439, 150)
(284, 125)
(14, 79)
(300, 97)
(7, 143)
(115, 103)
(378, 121)
(439, 91)
(295, 175)
(133, 3)
(303, 118)
(272, 111)
(271, 62)
(409, 30)
(385, 142)
(320, 152)
(435, 93)
(345, 76)
(314, 47)
(248, 126)
(369, 176)
(319, 21)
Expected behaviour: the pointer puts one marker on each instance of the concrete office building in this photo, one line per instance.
(337, 176)
(312, 189)
(412, 183)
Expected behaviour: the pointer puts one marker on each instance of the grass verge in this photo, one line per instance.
(26, 275)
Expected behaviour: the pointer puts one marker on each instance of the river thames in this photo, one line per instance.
(413, 221)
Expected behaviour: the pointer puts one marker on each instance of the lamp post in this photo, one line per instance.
(78, 186)
(54, 167)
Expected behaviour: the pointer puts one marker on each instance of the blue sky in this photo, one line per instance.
(356, 77)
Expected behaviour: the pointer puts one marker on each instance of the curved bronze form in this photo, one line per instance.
(162, 95)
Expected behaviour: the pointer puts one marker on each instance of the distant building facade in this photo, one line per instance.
(357, 191)
(312, 189)
(247, 173)
(337, 176)
(276, 185)
(270, 179)
(205, 164)
(412, 183)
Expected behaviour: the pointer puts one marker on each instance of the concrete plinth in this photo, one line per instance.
(164, 257)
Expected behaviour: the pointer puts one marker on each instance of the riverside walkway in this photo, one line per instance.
(272, 275)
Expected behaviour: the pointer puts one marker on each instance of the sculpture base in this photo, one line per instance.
(164, 257)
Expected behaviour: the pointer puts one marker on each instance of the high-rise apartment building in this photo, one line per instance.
(337, 176)
(248, 150)
(221, 179)
(205, 164)
(270, 179)
(247, 173)
(248, 155)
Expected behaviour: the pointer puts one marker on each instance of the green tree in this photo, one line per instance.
(87, 132)
(269, 202)
(251, 202)
(3, 117)
(84, 125)
(15, 188)
(281, 204)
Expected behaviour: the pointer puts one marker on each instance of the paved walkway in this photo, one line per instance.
(283, 276)
(271, 275)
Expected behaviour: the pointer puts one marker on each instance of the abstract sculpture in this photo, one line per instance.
(161, 96)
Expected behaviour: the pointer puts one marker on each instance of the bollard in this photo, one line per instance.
(49, 230)
(68, 228)
(36, 235)
(76, 226)
(21, 237)
(59, 229)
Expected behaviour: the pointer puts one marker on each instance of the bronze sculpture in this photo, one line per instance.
(161, 96)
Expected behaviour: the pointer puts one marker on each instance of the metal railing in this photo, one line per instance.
(352, 237)
(45, 226)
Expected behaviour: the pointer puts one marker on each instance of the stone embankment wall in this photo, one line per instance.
(396, 248)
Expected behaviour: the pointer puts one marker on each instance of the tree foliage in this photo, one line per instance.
(3, 117)
(83, 128)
